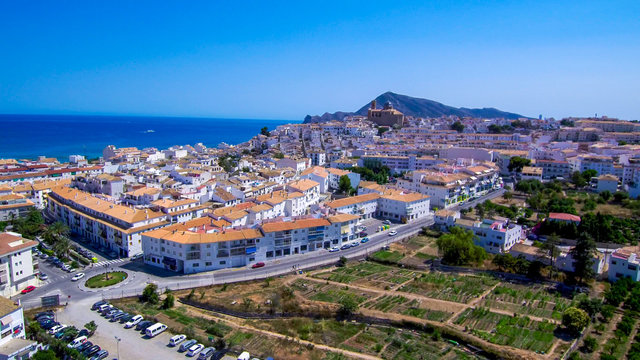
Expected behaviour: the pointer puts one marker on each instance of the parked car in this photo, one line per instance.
(43, 276)
(115, 317)
(98, 304)
(187, 344)
(56, 328)
(136, 257)
(193, 350)
(177, 339)
(77, 276)
(125, 318)
(77, 342)
(92, 350)
(133, 322)
(334, 249)
(244, 356)
(144, 327)
(84, 346)
(257, 265)
(28, 289)
(355, 244)
(387, 222)
(345, 247)
(100, 355)
(364, 240)
(206, 353)
(142, 324)
(104, 307)
(48, 324)
(363, 234)
(84, 332)
(393, 233)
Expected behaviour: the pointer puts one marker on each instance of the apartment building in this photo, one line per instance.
(365, 206)
(336, 174)
(103, 184)
(552, 169)
(180, 210)
(16, 263)
(399, 164)
(600, 163)
(13, 206)
(608, 183)
(495, 236)
(115, 227)
(13, 341)
(531, 173)
(197, 249)
(403, 207)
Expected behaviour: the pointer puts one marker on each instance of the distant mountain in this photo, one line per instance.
(416, 107)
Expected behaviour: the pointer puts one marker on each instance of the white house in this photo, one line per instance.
(608, 183)
(495, 236)
(13, 342)
(623, 263)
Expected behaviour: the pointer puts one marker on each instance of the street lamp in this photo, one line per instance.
(118, 345)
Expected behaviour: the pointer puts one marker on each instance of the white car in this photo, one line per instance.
(393, 233)
(77, 276)
(133, 322)
(194, 350)
(334, 249)
(56, 328)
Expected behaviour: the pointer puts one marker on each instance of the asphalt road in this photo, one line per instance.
(141, 274)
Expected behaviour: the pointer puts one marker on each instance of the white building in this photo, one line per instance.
(13, 342)
(623, 263)
(608, 183)
(16, 263)
(495, 236)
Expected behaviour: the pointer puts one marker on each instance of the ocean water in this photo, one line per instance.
(28, 136)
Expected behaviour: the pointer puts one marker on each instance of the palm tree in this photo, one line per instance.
(62, 247)
(55, 231)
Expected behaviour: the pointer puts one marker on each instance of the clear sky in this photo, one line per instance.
(286, 59)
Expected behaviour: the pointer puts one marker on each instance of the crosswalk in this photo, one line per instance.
(109, 262)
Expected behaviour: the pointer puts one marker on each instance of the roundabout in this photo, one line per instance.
(106, 279)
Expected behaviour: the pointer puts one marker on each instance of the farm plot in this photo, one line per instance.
(519, 331)
(409, 345)
(369, 274)
(401, 305)
(536, 300)
(328, 292)
(456, 288)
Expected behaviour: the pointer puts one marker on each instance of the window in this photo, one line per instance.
(208, 263)
(223, 262)
(269, 254)
(196, 264)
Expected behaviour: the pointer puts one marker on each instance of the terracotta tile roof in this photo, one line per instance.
(292, 225)
(189, 237)
(303, 185)
(11, 242)
(340, 218)
(352, 200)
(564, 216)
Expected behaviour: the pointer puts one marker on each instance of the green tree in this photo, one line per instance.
(508, 195)
(578, 180)
(382, 130)
(45, 355)
(55, 231)
(62, 247)
(516, 163)
(549, 251)
(575, 320)
(582, 255)
(348, 306)
(169, 301)
(278, 156)
(457, 126)
(457, 247)
(344, 184)
(606, 195)
(342, 262)
(150, 294)
(91, 326)
(265, 131)
(220, 344)
(619, 196)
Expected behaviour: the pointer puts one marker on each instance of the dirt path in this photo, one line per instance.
(236, 323)
(608, 334)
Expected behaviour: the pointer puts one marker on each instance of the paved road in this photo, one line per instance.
(140, 274)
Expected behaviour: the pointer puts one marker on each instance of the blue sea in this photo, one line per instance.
(28, 136)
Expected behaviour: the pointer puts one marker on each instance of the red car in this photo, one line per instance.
(257, 265)
(28, 289)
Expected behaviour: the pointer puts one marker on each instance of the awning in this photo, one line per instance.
(6, 320)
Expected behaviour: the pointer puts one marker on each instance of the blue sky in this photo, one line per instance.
(286, 59)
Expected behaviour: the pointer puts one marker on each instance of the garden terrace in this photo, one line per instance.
(456, 288)
(517, 331)
(368, 274)
(535, 300)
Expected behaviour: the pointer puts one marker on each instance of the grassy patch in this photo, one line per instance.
(457, 288)
(107, 279)
(386, 257)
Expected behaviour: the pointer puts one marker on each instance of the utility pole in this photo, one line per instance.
(118, 346)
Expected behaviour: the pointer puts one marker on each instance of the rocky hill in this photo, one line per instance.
(416, 107)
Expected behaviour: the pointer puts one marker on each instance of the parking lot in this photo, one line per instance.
(133, 345)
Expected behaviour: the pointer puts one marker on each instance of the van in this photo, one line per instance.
(187, 344)
(177, 339)
(244, 356)
(206, 353)
(77, 342)
(155, 329)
